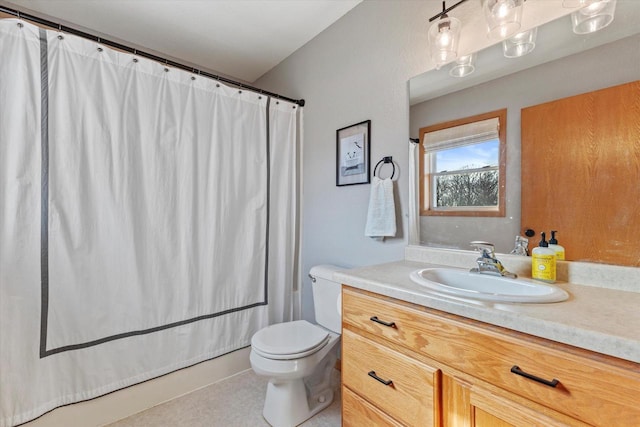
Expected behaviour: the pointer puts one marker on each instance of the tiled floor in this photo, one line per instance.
(234, 402)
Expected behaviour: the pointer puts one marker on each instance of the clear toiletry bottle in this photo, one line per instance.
(553, 245)
(543, 262)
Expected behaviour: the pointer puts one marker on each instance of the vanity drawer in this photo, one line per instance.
(592, 388)
(357, 412)
(412, 389)
(394, 322)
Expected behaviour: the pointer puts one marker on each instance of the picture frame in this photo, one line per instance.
(353, 146)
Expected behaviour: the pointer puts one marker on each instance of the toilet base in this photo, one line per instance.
(287, 403)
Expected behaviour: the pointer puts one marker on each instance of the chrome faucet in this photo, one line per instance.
(487, 261)
(521, 247)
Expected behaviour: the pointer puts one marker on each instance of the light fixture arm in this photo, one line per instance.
(445, 10)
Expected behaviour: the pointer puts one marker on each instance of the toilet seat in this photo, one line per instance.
(289, 340)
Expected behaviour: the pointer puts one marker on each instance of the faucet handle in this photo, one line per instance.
(484, 247)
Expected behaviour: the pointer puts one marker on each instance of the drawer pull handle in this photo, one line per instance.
(516, 370)
(382, 322)
(373, 375)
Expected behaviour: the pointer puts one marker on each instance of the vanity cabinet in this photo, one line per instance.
(404, 364)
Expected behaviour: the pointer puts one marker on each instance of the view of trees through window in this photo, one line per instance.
(467, 175)
(478, 188)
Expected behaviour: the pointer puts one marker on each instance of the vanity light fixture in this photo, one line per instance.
(503, 17)
(463, 66)
(520, 44)
(444, 35)
(592, 16)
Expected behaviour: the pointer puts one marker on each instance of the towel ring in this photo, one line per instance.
(384, 160)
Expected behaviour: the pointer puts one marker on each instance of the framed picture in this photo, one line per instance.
(353, 144)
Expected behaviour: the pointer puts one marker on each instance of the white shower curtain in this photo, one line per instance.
(147, 218)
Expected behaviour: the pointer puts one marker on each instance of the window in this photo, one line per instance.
(463, 166)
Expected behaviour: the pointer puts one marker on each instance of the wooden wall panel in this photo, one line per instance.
(581, 174)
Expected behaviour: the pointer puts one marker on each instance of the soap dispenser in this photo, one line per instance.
(543, 262)
(553, 245)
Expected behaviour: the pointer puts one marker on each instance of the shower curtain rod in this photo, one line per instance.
(125, 48)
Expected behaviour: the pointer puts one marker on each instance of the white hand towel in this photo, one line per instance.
(381, 218)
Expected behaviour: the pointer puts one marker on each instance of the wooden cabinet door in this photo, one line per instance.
(581, 174)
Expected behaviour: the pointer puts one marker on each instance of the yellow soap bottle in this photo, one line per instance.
(553, 245)
(543, 262)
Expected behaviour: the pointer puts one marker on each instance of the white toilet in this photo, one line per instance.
(299, 356)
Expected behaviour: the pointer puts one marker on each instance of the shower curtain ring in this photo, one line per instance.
(60, 36)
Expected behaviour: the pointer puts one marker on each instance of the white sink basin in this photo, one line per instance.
(486, 287)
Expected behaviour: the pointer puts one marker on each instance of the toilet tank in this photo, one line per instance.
(327, 298)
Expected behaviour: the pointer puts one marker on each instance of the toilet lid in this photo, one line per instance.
(289, 340)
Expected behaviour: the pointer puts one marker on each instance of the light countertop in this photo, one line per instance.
(594, 318)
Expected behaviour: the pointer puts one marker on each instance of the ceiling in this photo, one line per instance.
(242, 39)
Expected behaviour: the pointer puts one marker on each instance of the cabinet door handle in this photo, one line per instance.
(373, 375)
(516, 370)
(382, 322)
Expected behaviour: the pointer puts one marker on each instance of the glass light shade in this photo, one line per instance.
(594, 15)
(463, 66)
(503, 17)
(444, 35)
(520, 44)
